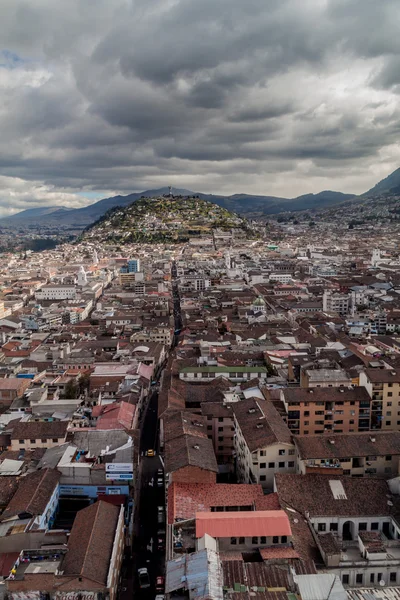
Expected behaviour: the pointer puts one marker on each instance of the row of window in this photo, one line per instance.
(281, 465)
(44, 441)
(361, 527)
(372, 579)
(262, 540)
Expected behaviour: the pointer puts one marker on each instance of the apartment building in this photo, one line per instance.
(368, 454)
(323, 410)
(336, 303)
(220, 429)
(383, 386)
(263, 442)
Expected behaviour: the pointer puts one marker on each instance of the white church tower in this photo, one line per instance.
(82, 278)
(95, 258)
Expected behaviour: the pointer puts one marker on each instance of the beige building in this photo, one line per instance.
(383, 386)
(38, 434)
(263, 443)
(369, 454)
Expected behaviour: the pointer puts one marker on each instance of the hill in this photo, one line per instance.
(164, 219)
(391, 184)
(32, 215)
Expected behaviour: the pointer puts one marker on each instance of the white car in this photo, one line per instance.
(144, 579)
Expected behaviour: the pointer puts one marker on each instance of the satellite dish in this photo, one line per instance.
(382, 582)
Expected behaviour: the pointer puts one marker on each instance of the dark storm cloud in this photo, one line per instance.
(269, 97)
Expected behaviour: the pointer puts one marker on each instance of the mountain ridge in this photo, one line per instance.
(249, 205)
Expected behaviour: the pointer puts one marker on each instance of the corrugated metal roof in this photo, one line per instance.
(389, 593)
(243, 524)
(200, 573)
(324, 586)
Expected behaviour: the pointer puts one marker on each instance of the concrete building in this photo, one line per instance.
(369, 454)
(263, 443)
(323, 410)
(383, 386)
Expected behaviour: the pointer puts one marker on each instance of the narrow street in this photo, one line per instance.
(148, 548)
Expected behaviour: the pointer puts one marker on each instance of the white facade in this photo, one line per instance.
(56, 292)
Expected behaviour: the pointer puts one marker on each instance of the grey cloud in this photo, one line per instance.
(129, 94)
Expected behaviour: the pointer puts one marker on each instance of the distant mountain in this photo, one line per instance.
(391, 183)
(31, 214)
(248, 205)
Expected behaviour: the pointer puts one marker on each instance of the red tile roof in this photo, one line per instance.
(246, 523)
(186, 499)
(278, 552)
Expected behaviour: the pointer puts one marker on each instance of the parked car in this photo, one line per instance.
(160, 597)
(144, 579)
(160, 544)
(160, 515)
(160, 584)
(160, 481)
(150, 452)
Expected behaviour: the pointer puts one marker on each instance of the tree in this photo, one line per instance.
(71, 389)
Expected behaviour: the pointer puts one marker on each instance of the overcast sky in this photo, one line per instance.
(276, 97)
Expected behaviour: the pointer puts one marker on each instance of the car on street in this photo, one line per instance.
(160, 597)
(160, 481)
(150, 452)
(144, 579)
(160, 584)
(160, 544)
(160, 515)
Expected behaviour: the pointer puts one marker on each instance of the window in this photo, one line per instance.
(263, 453)
(372, 578)
(21, 441)
(333, 527)
(306, 422)
(221, 438)
(281, 465)
(290, 464)
(362, 527)
(254, 540)
(271, 465)
(32, 441)
(241, 540)
(389, 404)
(351, 421)
(282, 452)
(263, 539)
(374, 526)
(275, 539)
(306, 413)
(233, 541)
(388, 423)
(321, 526)
(263, 465)
(345, 579)
(284, 539)
(220, 419)
(319, 412)
(379, 577)
(263, 478)
(359, 578)
(209, 427)
(220, 428)
(390, 394)
(388, 413)
(291, 452)
(390, 384)
(43, 441)
(209, 436)
(393, 576)
(388, 457)
(55, 440)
